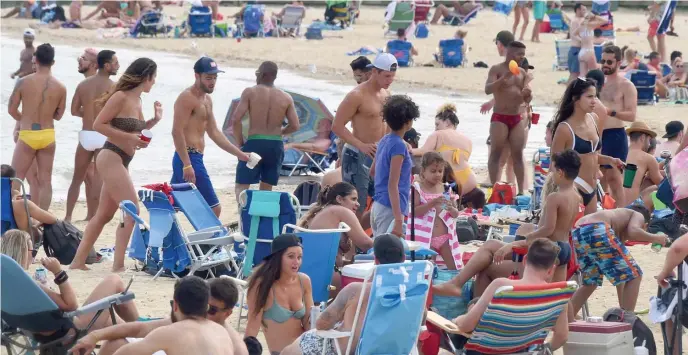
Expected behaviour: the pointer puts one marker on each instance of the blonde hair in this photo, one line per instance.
(461, 34)
(548, 187)
(16, 243)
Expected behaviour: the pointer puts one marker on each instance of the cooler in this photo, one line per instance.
(599, 338)
(358, 272)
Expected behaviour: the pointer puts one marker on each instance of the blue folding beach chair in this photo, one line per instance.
(556, 21)
(200, 21)
(601, 6)
(451, 53)
(402, 51)
(503, 6)
(27, 311)
(252, 25)
(393, 318)
(541, 163)
(7, 220)
(644, 82)
(150, 23)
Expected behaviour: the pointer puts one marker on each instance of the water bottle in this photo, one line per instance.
(177, 32)
(656, 247)
(212, 30)
(41, 275)
(315, 313)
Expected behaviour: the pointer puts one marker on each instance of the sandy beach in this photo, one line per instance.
(331, 63)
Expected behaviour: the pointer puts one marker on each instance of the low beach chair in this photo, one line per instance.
(200, 21)
(644, 83)
(457, 19)
(252, 22)
(27, 311)
(7, 220)
(561, 59)
(337, 10)
(311, 160)
(151, 24)
(451, 53)
(291, 20)
(394, 317)
(556, 21)
(401, 50)
(403, 18)
(422, 10)
(503, 7)
(517, 318)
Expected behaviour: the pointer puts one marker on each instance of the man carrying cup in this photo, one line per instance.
(639, 163)
(193, 117)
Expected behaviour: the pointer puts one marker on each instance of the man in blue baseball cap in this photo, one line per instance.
(193, 117)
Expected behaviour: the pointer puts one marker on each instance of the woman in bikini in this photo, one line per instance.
(279, 296)
(339, 203)
(576, 127)
(121, 120)
(585, 32)
(455, 148)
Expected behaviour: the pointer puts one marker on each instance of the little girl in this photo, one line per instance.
(435, 222)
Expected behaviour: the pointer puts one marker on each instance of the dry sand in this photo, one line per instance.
(331, 62)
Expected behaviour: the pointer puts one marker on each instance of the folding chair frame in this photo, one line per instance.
(676, 330)
(37, 243)
(308, 156)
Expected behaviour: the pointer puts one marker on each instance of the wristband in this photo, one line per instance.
(61, 277)
(187, 167)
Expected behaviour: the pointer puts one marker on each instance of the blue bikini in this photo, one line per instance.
(280, 314)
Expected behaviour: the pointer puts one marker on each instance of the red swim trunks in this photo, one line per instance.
(509, 120)
(652, 31)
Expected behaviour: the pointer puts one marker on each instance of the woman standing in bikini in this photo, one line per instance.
(279, 296)
(121, 121)
(586, 56)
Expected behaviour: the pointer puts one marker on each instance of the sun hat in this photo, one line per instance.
(641, 127)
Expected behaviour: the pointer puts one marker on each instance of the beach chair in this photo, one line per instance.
(291, 20)
(27, 311)
(556, 21)
(675, 286)
(6, 210)
(337, 10)
(601, 6)
(517, 318)
(151, 23)
(200, 21)
(561, 60)
(541, 162)
(422, 10)
(457, 19)
(252, 22)
(310, 160)
(503, 6)
(403, 18)
(307, 193)
(451, 53)
(644, 83)
(394, 316)
(401, 50)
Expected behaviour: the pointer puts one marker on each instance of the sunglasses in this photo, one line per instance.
(581, 80)
(608, 61)
(212, 310)
(679, 66)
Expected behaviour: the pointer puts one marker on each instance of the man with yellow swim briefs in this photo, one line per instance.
(43, 100)
(455, 148)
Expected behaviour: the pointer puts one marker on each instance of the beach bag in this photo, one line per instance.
(679, 180)
(307, 192)
(467, 229)
(503, 194)
(422, 31)
(642, 335)
(447, 306)
(61, 240)
(314, 33)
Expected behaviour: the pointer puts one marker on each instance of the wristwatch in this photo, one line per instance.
(613, 114)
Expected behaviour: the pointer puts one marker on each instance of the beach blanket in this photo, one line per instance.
(366, 50)
(325, 26)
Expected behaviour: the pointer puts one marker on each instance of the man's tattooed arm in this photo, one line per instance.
(334, 313)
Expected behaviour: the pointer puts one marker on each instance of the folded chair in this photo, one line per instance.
(561, 60)
(451, 53)
(27, 310)
(541, 161)
(291, 20)
(394, 316)
(403, 18)
(678, 315)
(644, 83)
(401, 50)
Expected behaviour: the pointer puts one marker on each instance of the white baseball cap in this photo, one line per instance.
(29, 32)
(384, 61)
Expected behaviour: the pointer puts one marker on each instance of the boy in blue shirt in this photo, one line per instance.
(393, 167)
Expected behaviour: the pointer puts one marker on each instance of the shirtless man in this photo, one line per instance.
(90, 141)
(193, 117)
(363, 108)
(620, 98)
(88, 62)
(574, 50)
(223, 295)
(507, 126)
(640, 135)
(106, 9)
(36, 134)
(25, 66)
(674, 135)
(388, 249)
(492, 260)
(360, 69)
(266, 106)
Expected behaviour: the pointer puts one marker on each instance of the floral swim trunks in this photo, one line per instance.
(312, 344)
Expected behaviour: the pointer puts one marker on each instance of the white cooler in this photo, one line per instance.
(599, 338)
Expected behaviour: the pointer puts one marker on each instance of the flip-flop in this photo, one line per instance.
(672, 33)
(643, 311)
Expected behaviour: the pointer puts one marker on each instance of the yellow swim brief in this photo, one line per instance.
(38, 140)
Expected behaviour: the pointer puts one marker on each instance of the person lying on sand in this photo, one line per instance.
(106, 9)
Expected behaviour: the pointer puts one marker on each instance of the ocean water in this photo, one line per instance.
(175, 73)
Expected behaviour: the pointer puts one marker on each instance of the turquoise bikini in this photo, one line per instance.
(280, 314)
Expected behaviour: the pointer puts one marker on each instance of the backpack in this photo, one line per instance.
(307, 192)
(467, 229)
(61, 240)
(641, 333)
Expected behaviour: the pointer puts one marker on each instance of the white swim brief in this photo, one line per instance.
(91, 140)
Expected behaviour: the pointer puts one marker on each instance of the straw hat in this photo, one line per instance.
(641, 127)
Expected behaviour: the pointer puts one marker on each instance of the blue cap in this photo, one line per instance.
(206, 65)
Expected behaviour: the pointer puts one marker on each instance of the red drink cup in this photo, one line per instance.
(238, 39)
(146, 135)
(535, 118)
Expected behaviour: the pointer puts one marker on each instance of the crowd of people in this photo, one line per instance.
(594, 136)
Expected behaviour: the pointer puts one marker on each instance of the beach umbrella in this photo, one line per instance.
(314, 119)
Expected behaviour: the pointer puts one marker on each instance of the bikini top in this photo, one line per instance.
(280, 314)
(583, 146)
(586, 33)
(128, 124)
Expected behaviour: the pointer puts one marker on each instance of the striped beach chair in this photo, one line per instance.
(518, 317)
(541, 161)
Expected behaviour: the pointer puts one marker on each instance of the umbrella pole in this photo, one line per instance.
(413, 220)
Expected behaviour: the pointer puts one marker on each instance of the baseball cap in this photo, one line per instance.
(673, 128)
(206, 65)
(385, 61)
(29, 32)
(504, 37)
(526, 65)
(388, 249)
(283, 241)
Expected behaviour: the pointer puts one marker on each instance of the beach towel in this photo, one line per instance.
(366, 50)
(325, 26)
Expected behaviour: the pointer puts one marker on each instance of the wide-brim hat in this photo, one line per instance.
(641, 127)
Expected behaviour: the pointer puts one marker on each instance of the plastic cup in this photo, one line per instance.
(629, 175)
(535, 118)
(146, 135)
(253, 159)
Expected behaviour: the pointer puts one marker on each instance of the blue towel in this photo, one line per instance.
(325, 26)
(364, 51)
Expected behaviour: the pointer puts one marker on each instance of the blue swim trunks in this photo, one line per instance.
(271, 150)
(203, 183)
(574, 64)
(615, 144)
(600, 252)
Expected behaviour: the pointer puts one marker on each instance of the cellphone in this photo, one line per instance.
(131, 280)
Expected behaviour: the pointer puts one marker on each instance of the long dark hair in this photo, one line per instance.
(327, 197)
(572, 94)
(263, 277)
(138, 71)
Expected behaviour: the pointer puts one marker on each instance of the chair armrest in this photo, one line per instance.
(332, 334)
(444, 324)
(207, 233)
(239, 282)
(221, 241)
(103, 303)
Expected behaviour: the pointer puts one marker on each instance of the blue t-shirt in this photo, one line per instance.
(392, 145)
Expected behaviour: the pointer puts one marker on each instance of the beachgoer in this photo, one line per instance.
(266, 106)
(654, 16)
(90, 141)
(17, 245)
(675, 82)
(619, 95)
(455, 147)
(107, 9)
(493, 258)
(190, 332)
(29, 9)
(574, 50)
(539, 7)
(279, 296)
(599, 242)
(36, 134)
(224, 294)
(586, 56)
(507, 126)
(75, 11)
(88, 62)
(121, 121)
(520, 10)
(338, 203)
(362, 106)
(675, 257)
(600, 109)
(549, 134)
(361, 70)
(334, 176)
(340, 314)
(647, 166)
(539, 270)
(654, 64)
(674, 135)
(25, 65)
(193, 117)
(459, 10)
(393, 166)
(631, 62)
(320, 143)
(401, 36)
